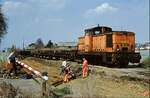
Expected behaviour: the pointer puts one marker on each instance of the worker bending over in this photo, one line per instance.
(63, 66)
(85, 67)
(67, 72)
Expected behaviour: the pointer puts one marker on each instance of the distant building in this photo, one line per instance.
(144, 46)
(148, 44)
(67, 44)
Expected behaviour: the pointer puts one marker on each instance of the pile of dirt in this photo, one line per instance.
(107, 83)
(126, 74)
(98, 86)
(7, 90)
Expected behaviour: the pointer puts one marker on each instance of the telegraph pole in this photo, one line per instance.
(23, 44)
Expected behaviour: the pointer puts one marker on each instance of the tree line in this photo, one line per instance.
(3, 24)
(39, 44)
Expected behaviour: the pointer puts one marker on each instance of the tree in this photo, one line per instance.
(39, 43)
(49, 44)
(3, 24)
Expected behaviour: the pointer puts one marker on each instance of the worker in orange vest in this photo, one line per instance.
(85, 66)
(67, 72)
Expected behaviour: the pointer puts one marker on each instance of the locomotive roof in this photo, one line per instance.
(109, 29)
(98, 28)
(120, 32)
(123, 32)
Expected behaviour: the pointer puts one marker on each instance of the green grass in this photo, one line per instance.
(64, 90)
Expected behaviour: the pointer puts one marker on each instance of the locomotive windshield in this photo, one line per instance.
(98, 30)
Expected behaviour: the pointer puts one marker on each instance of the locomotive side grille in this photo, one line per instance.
(109, 43)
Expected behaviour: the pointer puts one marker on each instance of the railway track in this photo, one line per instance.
(80, 62)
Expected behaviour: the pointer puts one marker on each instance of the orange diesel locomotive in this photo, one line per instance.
(102, 45)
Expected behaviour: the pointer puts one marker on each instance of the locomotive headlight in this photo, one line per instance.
(117, 49)
(132, 49)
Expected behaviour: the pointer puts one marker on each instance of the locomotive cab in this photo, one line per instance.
(97, 30)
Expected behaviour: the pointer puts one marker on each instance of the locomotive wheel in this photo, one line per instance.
(124, 64)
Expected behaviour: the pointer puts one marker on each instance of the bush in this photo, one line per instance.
(3, 59)
(146, 62)
(61, 92)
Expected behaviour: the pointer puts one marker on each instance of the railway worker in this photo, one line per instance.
(85, 67)
(64, 63)
(12, 62)
(68, 68)
(67, 72)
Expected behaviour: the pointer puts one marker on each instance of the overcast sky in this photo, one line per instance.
(65, 20)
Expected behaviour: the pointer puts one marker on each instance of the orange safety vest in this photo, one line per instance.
(66, 75)
(85, 64)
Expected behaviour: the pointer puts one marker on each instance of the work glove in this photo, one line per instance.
(8, 62)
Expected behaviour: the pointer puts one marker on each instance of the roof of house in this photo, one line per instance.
(67, 43)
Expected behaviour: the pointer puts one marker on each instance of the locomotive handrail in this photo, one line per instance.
(37, 73)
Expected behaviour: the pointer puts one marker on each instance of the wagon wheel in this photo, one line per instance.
(124, 64)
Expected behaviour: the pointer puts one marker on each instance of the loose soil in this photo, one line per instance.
(102, 81)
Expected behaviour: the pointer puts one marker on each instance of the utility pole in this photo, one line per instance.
(23, 44)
